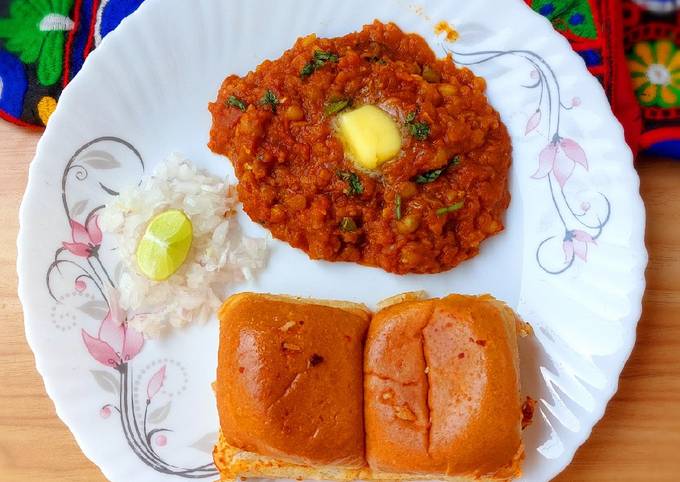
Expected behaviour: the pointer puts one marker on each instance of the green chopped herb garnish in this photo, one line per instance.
(269, 98)
(318, 60)
(348, 225)
(321, 56)
(397, 207)
(434, 174)
(236, 102)
(419, 130)
(336, 106)
(450, 209)
(307, 70)
(353, 181)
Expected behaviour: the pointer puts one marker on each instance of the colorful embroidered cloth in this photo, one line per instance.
(631, 46)
(652, 45)
(624, 40)
(43, 44)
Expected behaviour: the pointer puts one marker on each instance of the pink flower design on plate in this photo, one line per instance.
(576, 244)
(161, 440)
(80, 285)
(560, 157)
(86, 239)
(533, 122)
(116, 343)
(155, 383)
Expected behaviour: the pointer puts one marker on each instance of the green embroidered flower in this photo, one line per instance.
(655, 69)
(35, 32)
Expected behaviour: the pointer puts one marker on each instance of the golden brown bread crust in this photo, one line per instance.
(441, 389)
(358, 309)
(400, 298)
(234, 464)
(289, 381)
(487, 447)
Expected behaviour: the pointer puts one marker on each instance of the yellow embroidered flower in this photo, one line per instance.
(655, 68)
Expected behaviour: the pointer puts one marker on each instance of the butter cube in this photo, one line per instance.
(370, 135)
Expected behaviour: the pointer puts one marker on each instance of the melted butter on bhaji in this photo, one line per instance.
(425, 210)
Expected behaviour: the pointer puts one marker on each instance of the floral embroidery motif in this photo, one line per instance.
(573, 16)
(46, 107)
(35, 32)
(655, 68)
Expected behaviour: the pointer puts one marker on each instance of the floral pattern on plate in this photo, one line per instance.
(557, 160)
(115, 344)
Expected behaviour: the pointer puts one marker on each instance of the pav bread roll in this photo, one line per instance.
(441, 390)
(289, 383)
(306, 390)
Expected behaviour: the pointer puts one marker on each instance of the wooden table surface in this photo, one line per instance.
(637, 441)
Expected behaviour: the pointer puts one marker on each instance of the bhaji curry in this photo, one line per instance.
(367, 148)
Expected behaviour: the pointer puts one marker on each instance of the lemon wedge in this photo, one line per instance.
(165, 245)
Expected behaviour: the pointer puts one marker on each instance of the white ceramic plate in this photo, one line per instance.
(571, 260)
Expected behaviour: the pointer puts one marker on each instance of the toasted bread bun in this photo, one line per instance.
(441, 389)
(289, 379)
(414, 372)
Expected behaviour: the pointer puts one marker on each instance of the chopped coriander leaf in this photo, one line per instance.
(419, 130)
(236, 102)
(354, 183)
(348, 225)
(450, 209)
(336, 106)
(397, 207)
(269, 98)
(429, 176)
(307, 70)
(321, 56)
(433, 175)
(318, 60)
